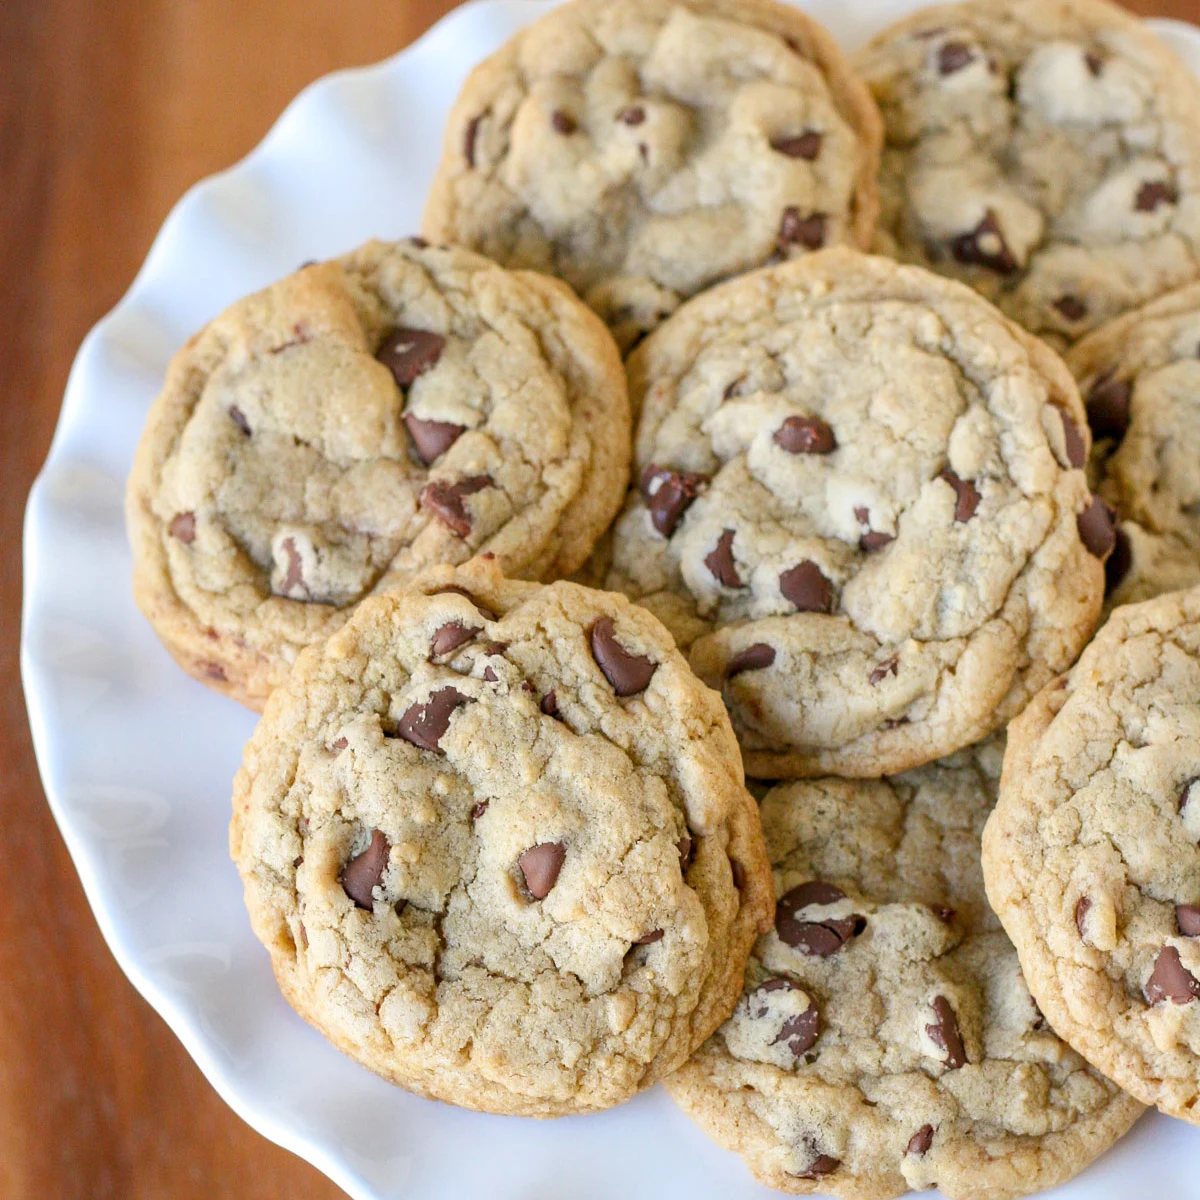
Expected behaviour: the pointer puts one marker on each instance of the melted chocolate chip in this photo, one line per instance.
(1108, 407)
(445, 500)
(720, 562)
(293, 579)
(1073, 442)
(984, 246)
(183, 528)
(967, 495)
(363, 873)
(798, 1033)
(806, 145)
(953, 56)
(460, 591)
(1187, 919)
(920, 1141)
(753, 658)
(1071, 307)
(655, 935)
(635, 114)
(822, 1165)
(1153, 193)
(820, 938)
(1116, 567)
(1097, 526)
(686, 848)
(628, 673)
(563, 122)
(871, 539)
(807, 588)
(1082, 906)
(1171, 980)
(239, 419)
(795, 230)
(890, 666)
(478, 809)
(945, 1035)
(668, 493)
(549, 704)
(409, 353)
(738, 872)
(540, 866)
(450, 636)
(424, 724)
(470, 133)
(340, 744)
(805, 435)
(490, 676)
(432, 439)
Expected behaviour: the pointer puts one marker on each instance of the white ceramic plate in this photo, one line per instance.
(137, 759)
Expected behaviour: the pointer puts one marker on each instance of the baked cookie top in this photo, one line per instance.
(356, 422)
(1092, 858)
(1140, 378)
(496, 840)
(885, 1039)
(1045, 151)
(862, 507)
(644, 149)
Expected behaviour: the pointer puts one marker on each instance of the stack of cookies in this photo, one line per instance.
(637, 475)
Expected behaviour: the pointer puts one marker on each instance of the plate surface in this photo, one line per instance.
(137, 759)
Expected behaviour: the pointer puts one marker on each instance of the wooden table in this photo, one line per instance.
(109, 109)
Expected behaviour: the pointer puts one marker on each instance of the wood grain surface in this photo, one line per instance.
(109, 109)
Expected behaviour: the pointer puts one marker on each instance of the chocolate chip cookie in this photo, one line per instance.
(861, 507)
(1092, 857)
(358, 421)
(1140, 378)
(496, 840)
(644, 149)
(885, 1040)
(1045, 151)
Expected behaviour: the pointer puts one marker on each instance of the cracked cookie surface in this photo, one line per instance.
(644, 149)
(1045, 151)
(1092, 857)
(1140, 378)
(496, 839)
(356, 422)
(861, 507)
(885, 1040)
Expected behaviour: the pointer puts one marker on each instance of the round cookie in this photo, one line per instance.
(496, 839)
(862, 509)
(645, 149)
(358, 421)
(885, 1040)
(1140, 378)
(1092, 858)
(1045, 151)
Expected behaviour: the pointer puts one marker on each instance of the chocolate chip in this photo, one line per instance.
(478, 809)
(424, 724)
(872, 539)
(1171, 980)
(628, 673)
(409, 353)
(450, 636)
(821, 938)
(668, 493)
(1071, 307)
(1187, 919)
(214, 671)
(984, 246)
(655, 935)
(1108, 407)
(686, 847)
(795, 230)
(540, 866)
(890, 666)
(340, 744)
(183, 527)
(494, 649)
(363, 873)
(806, 145)
(920, 1141)
(635, 114)
(807, 588)
(1153, 193)
(805, 435)
(1097, 525)
(967, 496)
(490, 676)
(953, 56)
(293, 579)
(432, 438)
(945, 1035)
(822, 1165)
(1094, 62)
(563, 122)
(419, 242)
(459, 591)
(1082, 905)
(239, 419)
(738, 872)
(798, 1033)
(1119, 561)
(720, 562)
(753, 658)
(1073, 442)
(470, 133)
(549, 704)
(446, 500)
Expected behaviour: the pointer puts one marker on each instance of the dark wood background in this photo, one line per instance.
(109, 109)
